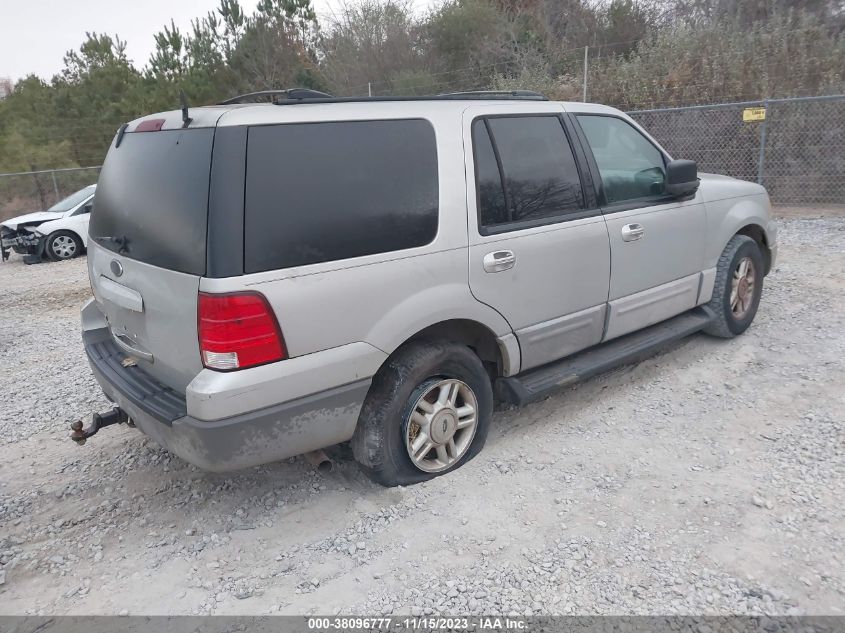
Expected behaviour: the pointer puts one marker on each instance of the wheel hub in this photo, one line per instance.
(64, 247)
(443, 425)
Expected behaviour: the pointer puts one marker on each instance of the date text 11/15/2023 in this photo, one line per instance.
(421, 623)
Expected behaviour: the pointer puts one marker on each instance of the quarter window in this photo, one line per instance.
(525, 170)
(630, 165)
(320, 192)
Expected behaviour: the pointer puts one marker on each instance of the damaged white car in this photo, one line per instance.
(60, 232)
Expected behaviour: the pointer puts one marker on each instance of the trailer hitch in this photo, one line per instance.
(98, 421)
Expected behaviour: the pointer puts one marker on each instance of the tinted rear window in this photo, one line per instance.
(492, 206)
(319, 192)
(152, 197)
(541, 176)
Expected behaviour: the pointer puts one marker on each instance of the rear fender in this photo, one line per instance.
(436, 304)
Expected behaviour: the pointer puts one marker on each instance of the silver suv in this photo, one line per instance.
(272, 279)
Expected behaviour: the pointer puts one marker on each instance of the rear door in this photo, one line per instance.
(656, 241)
(147, 247)
(539, 250)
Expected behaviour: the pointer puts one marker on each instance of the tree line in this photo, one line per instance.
(641, 53)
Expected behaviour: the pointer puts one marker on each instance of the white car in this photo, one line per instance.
(60, 232)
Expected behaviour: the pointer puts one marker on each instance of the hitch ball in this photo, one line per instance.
(78, 434)
(98, 421)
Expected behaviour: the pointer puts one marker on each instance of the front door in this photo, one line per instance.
(656, 242)
(539, 250)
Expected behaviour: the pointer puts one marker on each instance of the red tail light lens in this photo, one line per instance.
(238, 330)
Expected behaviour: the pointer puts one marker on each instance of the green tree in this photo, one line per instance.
(95, 93)
(276, 49)
(789, 55)
(469, 41)
(171, 57)
(372, 42)
(30, 136)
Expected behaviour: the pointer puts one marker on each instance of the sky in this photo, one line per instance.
(35, 34)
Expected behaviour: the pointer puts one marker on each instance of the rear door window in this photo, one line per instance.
(526, 171)
(318, 192)
(152, 198)
(493, 209)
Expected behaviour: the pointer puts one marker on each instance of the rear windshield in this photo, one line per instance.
(318, 192)
(152, 198)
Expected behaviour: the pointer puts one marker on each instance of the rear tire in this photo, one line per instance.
(738, 287)
(403, 414)
(63, 245)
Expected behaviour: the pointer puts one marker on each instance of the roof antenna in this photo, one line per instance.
(186, 120)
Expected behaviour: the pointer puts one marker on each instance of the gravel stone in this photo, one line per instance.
(717, 464)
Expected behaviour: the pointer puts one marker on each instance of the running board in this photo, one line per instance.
(537, 383)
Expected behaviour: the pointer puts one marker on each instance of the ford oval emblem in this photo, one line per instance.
(116, 268)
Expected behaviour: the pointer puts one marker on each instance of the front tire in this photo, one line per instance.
(738, 287)
(63, 245)
(427, 413)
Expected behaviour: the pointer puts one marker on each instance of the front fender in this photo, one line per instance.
(58, 225)
(726, 218)
(78, 225)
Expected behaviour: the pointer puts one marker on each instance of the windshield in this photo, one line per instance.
(72, 200)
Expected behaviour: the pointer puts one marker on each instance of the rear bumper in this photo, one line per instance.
(265, 435)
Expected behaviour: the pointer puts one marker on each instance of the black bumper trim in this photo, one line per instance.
(153, 398)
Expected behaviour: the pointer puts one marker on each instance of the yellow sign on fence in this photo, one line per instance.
(754, 114)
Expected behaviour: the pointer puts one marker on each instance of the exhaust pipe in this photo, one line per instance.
(319, 460)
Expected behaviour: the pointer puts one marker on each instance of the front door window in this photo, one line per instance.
(630, 165)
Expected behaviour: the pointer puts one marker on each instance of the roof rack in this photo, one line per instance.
(519, 95)
(290, 94)
(529, 95)
(306, 95)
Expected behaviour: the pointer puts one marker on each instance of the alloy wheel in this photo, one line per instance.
(742, 288)
(441, 425)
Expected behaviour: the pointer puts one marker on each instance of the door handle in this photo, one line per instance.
(632, 232)
(498, 261)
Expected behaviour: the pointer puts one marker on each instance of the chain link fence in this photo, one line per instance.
(794, 147)
(23, 192)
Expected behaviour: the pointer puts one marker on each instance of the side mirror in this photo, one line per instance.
(681, 178)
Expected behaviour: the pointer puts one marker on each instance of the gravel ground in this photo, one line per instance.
(708, 479)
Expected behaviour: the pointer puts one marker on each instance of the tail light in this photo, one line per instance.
(238, 330)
